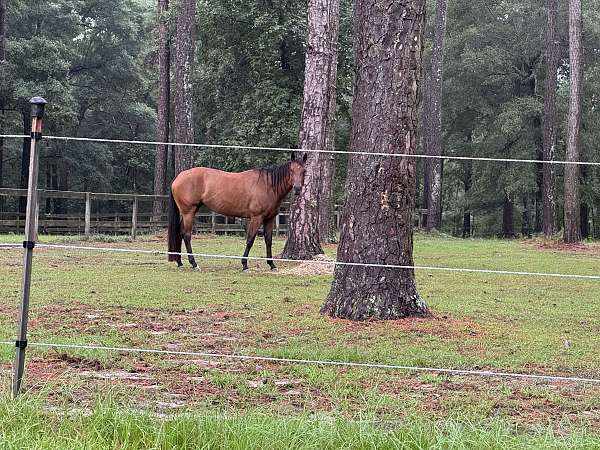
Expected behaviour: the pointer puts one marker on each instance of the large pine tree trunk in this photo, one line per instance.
(164, 94)
(327, 226)
(184, 63)
(318, 119)
(377, 222)
(433, 134)
(572, 214)
(550, 121)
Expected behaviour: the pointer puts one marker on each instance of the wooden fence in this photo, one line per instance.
(87, 215)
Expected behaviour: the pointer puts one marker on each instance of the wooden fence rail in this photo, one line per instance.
(139, 219)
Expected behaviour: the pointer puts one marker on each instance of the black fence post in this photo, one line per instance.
(37, 114)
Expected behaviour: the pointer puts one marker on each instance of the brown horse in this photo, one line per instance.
(255, 194)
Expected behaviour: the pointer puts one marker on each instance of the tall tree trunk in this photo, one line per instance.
(377, 223)
(585, 220)
(327, 226)
(572, 202)
(508, 221)
(164, 94)
(467, 181)
(25, 159)
(2, 94)
(433, 134)
(318, 119)
(550, 120)
(184, 64)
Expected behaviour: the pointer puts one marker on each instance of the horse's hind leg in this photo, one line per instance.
(187, 225)
(252, 230)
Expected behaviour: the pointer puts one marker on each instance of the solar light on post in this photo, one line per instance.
(37, 114)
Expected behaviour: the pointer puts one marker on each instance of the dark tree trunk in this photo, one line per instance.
(572, 202)
(433, 134)
(467, 181)
(25, 159)
(184, 64)
(164, 94)
(377, 222)
(508, 221)
(550, 120)
(318, 119)
(526, 221)
(2, 99)
(585, 220)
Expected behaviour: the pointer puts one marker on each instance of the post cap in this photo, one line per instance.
(37, 106)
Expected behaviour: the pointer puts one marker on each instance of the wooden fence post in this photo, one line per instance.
(213, 222)
(134, 211)
(277, 224)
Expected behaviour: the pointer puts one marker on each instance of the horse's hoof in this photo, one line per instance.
(196, 269)
(245, 270)
(181, 267)
(274, 269)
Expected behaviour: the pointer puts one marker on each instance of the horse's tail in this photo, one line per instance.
(174, 233)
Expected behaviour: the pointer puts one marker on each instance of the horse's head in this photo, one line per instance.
(297, 171)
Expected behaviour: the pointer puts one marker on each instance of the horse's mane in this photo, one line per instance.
(275, 176)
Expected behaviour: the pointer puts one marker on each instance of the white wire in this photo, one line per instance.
(337, 152)
(485, 373)
(312, 261)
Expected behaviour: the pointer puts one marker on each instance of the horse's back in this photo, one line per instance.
(227, 193)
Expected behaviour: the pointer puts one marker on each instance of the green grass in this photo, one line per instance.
(24, 424)
(497, 322)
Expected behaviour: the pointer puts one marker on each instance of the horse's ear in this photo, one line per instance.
(304, 158)
(293, 156)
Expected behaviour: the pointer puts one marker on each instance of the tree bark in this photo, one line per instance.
(433, 134)
(2, 94)
(508, 221)
(550, 121)
(377, 222)
(164, 94)
(572, 202)
(467, 181)
(318, 119)
(327, 226)
(184, 64)
(25, 116)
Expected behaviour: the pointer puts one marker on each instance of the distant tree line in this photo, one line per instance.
(498, 82)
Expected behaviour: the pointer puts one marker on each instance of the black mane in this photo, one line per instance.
(276, 176)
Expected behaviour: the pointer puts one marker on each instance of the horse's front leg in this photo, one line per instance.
(251, 232)
(268, 230)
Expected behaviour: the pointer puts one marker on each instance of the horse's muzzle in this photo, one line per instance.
(297, 190)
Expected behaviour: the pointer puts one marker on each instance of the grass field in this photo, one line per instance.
(481, 321)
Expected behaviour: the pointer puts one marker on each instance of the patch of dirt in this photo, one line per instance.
(559, 246)
(312, 268)
(442, 326)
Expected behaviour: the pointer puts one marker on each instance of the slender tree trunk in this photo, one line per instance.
(184, 64)
(550, 120)
(318, 119)
(433, 134)
(585, 220)
(377, 223)
(2, 96)
(25, 159)
(572, 202)
(508, 221)
(164, 94)
(467, 181)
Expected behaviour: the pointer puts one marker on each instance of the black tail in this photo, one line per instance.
(174, 233)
